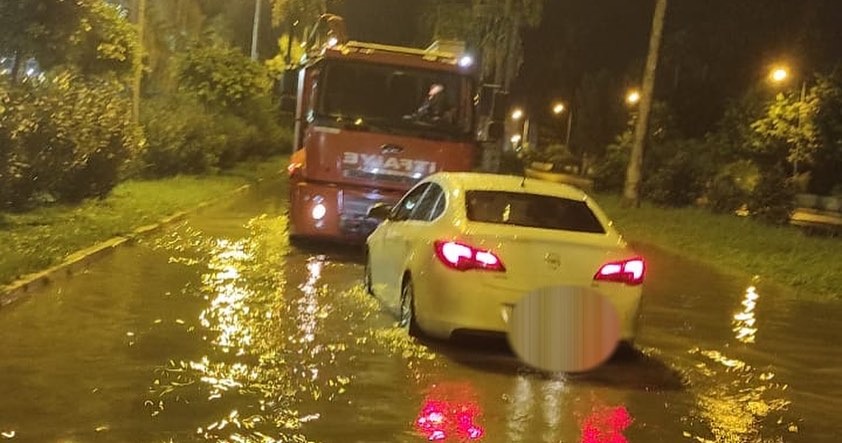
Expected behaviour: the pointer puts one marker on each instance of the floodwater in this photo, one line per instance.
(218, 330)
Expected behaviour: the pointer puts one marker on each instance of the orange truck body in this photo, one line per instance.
(356, 142)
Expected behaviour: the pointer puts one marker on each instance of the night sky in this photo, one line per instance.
(593, 50)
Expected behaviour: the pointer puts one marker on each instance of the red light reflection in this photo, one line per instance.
(449, 413)
(606, 425)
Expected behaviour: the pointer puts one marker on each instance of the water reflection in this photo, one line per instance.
(450, 411)
(738, 410)
(745, 320)
(606, 425)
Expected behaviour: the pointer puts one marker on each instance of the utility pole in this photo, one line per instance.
(631, 192)
(140, 20)
(255, 29)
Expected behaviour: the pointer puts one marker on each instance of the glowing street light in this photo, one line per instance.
(633, 97)
(779, 74)
(558, 108)
(517, 114)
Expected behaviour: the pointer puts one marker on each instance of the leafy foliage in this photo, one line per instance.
(69, 138)
(105, 42)
(787, 131)
(773, 198)
(731, 187)
(222, 76)
(681, 178)
(825, 173)
(40, 28)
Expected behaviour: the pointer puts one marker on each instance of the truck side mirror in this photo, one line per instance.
(379, 211)
(496, 130)
(288, 90)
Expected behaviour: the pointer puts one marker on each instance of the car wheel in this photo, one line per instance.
(367, 275)
(407, 312)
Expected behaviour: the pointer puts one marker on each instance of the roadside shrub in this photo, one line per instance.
(679, 177)
(17, 177)
(511, 163)
(182, 138)
(610, 172)
(730, 189)
(238, 136)
(270, 138)
(65, 138)
(93, 119)
(773, 199)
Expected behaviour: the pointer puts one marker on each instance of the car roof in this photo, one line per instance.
(478, 181)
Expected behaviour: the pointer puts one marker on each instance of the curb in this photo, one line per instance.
(79, 260)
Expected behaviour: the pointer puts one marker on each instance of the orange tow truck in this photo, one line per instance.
(365, 131)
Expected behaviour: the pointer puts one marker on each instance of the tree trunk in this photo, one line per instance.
(631, 192)
(138, 68)
(16, 67)
(513, 52)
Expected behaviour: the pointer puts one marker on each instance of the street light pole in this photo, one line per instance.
(255, 28)
(137, 75)
(569, 127)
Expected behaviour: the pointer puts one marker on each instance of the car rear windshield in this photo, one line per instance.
(532, 210)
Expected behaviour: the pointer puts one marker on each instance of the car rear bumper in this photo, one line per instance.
(448, 300)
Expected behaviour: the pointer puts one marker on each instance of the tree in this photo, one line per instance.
(787, 132)
(631, 191)
(825, 176)
(104, 41)
(492, 26)
(39, 28)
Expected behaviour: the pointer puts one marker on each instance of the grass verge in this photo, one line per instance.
(36, 240)
(785, 255)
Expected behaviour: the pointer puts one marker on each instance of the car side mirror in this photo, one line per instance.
(379, 211)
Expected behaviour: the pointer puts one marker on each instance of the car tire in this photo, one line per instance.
(407, 308)
(367, 275)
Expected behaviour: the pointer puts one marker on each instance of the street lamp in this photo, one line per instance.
(633, 97)
(255, 29)
(517, 114)
(558, 108)
(779, 75)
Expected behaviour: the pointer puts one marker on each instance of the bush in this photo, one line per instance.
(610, 171)
(773, 199)
(51, 144)
(731, 187)
(182, 138)
(511, 163)
(680, 175)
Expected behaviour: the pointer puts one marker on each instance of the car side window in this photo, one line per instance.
(409, 201)
(425, 207)
(438, 208)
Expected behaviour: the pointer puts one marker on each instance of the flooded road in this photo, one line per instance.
(218, 330)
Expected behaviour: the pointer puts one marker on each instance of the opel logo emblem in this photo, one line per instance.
(553, 260)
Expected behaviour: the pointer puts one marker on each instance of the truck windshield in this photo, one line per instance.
(396, 99)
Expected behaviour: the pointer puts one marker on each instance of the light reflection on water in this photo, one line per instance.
(745, 322)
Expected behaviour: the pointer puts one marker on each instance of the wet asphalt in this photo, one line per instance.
(217, 329)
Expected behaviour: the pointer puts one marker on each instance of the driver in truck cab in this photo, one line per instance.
(435, 108)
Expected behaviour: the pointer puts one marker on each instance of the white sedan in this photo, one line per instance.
(460, 249)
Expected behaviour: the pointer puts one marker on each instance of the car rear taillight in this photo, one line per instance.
(630, 272)
(463, 257)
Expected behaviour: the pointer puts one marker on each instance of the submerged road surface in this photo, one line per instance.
(218, 330)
